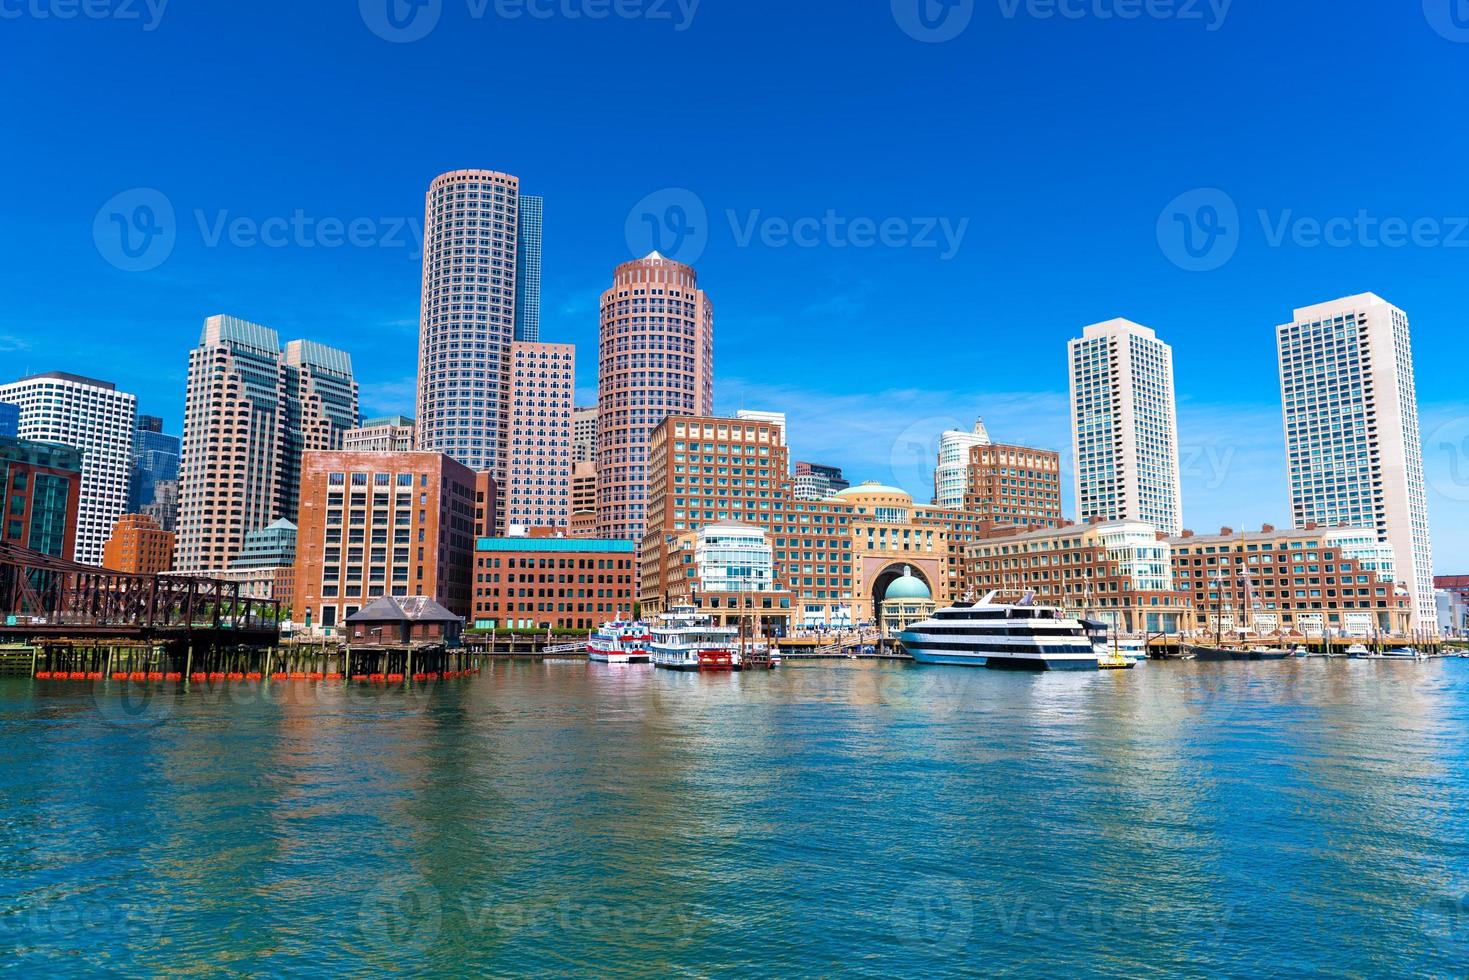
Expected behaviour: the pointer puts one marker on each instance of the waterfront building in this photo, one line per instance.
(950, 477)
(155, 460)
(528, 268)
(584, 434)
(1303, 582)
(1116, 572)
(734, 558)
(9, 421)
(834, 559)
(655, 359)
(41, 484)
(1452, 598)
(252, 409)
(392, 621)
(1354, 451)
(813, 481)
(382, 524)
(1013, 486)
(96, 418)
(266, 568)
(470, 277)
(908, 601)
(390, 434)
(1124, 426)
(138, 546)
(583, 525)
(165, 506)
(778, 419)
(542, 385)
(545, 580)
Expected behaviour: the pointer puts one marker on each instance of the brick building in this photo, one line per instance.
(546, 580)
(382, 524)
(138, 546)
(1014, 486)
(42, 496)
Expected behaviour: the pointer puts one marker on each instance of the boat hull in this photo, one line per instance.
(1036, 663)
(1221, 655)
(602, 657)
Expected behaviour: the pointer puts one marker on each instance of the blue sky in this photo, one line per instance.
(900, 228)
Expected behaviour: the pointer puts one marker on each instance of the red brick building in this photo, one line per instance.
(382, 524)
(547, 580)
(1014, 486)
(41, 484)
(138, 546)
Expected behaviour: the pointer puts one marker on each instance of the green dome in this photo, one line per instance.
(909, 586)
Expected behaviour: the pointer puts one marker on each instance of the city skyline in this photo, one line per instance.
(828, 304)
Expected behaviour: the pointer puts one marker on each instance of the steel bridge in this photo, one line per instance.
(42, 596)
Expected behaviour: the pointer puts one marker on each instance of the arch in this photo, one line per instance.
(884, 579)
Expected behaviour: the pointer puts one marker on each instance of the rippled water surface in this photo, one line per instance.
(836, 819)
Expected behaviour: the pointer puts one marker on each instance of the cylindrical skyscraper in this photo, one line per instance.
(656, 359)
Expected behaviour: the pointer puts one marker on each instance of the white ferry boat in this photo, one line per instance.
(685, 639)
(1128, 647)
(1022, 636)
(620, 642)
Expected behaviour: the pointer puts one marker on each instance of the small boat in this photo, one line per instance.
(1359, 651)
(620, 642)
(1221, 654)
(1403, 653)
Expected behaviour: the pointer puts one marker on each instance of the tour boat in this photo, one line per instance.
(1002, 636)
(620, 642)
(685, 639)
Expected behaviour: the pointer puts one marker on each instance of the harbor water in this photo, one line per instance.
(820, 820)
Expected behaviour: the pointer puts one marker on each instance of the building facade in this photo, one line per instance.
(96, 418)
(391, 434)
(548, 581)
(950, 477)
(584, 434)
(1124, 426)
(1013, 486)
(1301, 582)
(155, 461)
(1353, 445)
(528, 268)
(470, 276)
(813, 481)
(42, 485)
(1116, 572)
(542, 386)
(252, 409)
(165, 506)
(138, 546)
(656, 359)
(584, 488)
(266, 568)
(382, 524)
(9, 421)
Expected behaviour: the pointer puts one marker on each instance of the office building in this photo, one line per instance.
(952, 472)
(656, 359)
(584, 434)
(542, 386)
(528, 269)
(548, 581)
(1303, 582)
(1124, 426)
(814, 481)
(778, 419)
(1353, 446)
(392, 434)
(9, 421)
(96, 418)
(584, 488)
(155, 460)
(42, 485)
(138, 546)
(165, 506)
(1013, 486)
(382, 524)
(266, 568)
(253, 408)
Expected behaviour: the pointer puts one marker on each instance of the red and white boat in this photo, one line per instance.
(686, 639)
(620, 642)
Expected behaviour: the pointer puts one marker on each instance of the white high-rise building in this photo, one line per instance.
(1124, 426)
(584, 434)
(952, 474)
(96, 418)
(777, 419)
(1353, 447)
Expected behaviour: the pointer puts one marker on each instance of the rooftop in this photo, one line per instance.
(74, 378)
(565, 545)
(403, 609)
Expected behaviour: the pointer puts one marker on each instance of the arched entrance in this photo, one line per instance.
(885, 580)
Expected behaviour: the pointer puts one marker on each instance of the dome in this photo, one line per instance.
(873, 488)
(909, 586)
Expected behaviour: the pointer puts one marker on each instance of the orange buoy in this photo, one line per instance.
(173, 678)
(198, 677)
(137, 677)
(254, 675)
(155, 675)
(117, 676)
(333, 677)
(77, 675)
(94, 675)
(43, 675)
(280, 675)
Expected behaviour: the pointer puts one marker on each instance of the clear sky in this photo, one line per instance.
(901, 215)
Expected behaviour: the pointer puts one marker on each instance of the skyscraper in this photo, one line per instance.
(542, 390)
(390, 434)
(1354, 451)
(656, 359)
(584, 434)
(470, 277)
(528, 269)
(96, 418)
(950, 476)
(251, 410)
(1124, 426)
(155, 460)
(9, 421)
